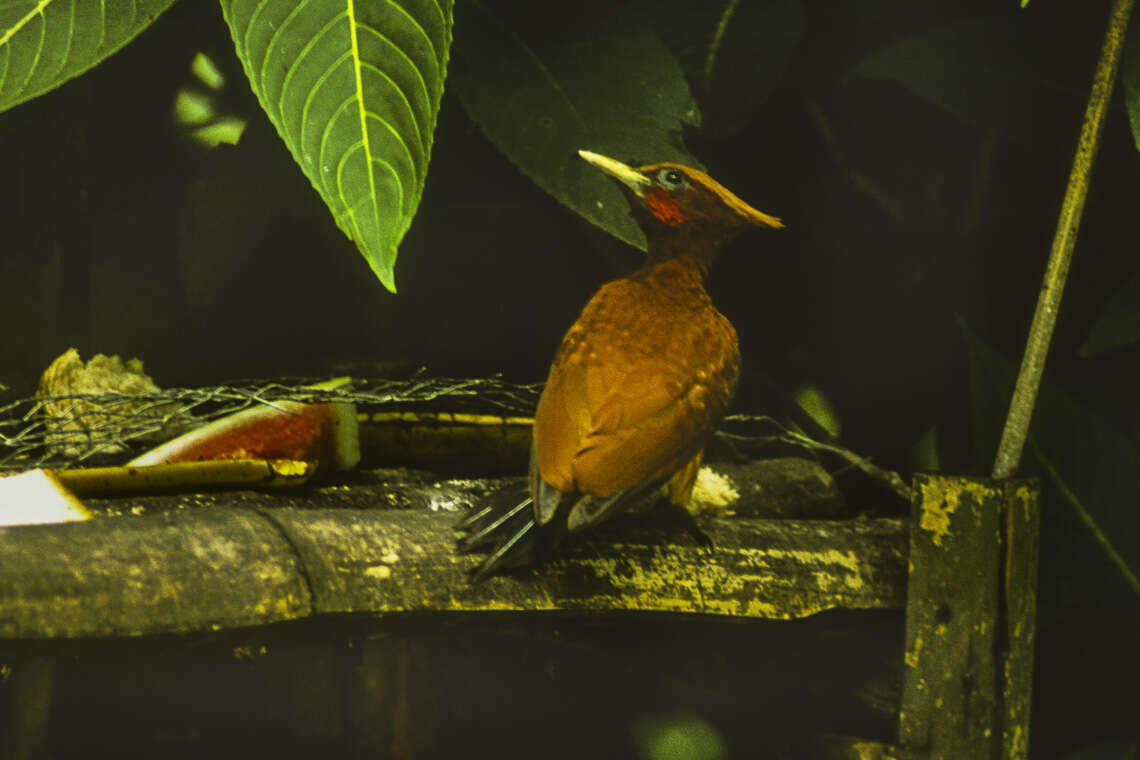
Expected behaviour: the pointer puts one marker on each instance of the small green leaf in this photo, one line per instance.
(1130, 76)
(201, 111)
(818, 406)
(685, 736)
(353, 89)
(44, 43)
(595, 80)
(925, 454)
(1118, 323)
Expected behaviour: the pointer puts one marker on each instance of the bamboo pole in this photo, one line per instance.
(1061, 255)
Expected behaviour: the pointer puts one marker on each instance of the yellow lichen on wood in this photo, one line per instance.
(672, 585)
(846, 560)
(1027, 498)
(940, 500)
(911, 656)
(937, 506)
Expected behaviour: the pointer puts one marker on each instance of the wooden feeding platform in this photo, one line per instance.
(933, 613)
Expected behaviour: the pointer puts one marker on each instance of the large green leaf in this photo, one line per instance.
(353, 87)
(44, 43)
(733, 53)
(989, 72)
(742, 48)
(596, 79)
(1118, 323)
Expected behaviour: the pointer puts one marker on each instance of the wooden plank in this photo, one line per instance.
(838, 747)
(195, 562)
(959, 676)
(405, 561)
(179, 571)
(1022, 536)
(949, 685)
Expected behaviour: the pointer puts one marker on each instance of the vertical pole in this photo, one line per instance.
(1072, 206)
(969, 632)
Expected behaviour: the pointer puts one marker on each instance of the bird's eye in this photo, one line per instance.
(670, 178)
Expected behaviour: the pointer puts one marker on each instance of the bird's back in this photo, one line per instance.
(638, 384)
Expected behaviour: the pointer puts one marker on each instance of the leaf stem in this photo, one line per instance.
(718, 37)
(1061, 255)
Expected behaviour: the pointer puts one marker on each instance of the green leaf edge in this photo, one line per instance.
(386, 275)
(59, 80)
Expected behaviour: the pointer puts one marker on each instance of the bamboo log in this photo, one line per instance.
(175, 564)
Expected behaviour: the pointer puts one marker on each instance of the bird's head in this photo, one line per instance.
(679, 207)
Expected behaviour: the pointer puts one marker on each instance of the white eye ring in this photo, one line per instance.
(670, 178)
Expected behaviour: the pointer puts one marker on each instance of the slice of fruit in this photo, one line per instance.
(37, 497)
(322, 433)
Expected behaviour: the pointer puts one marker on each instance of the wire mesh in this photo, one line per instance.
(78, 429)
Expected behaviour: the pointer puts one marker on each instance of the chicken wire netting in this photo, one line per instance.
(85, 429)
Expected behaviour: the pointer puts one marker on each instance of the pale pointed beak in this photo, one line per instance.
(626, 175)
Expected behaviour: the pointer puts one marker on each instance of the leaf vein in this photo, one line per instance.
(271, 46)
(35, 58)
(427, 93)
(249, 26)
(326, 134)
(434, 57)
(408, 105)
(540, 65)
(360, 106)
(404, 145)
(20, 22)
(301, 56)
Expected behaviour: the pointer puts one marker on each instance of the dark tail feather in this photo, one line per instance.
(511, 536)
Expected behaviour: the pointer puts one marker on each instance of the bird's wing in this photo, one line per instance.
(611, 423)
(646, 426)
(561, 420)
(632, 395)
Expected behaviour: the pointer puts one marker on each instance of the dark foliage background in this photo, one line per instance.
(916, 150)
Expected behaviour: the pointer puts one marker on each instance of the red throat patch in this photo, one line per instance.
(663, 206)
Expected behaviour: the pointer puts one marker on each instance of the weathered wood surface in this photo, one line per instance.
(222, 560)
(969, 620)
(1019, 589)
(836, 747)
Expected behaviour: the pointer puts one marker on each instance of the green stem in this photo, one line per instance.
(718, 37)
(1098, 535)
(1045, 317)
